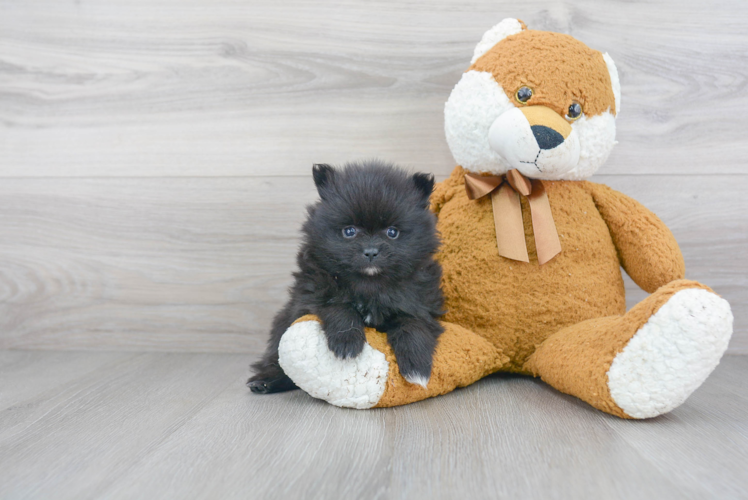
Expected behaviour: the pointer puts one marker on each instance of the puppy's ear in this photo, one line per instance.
(425, 185)
(323, 174)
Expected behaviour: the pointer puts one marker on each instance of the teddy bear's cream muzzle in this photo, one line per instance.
(536, 141)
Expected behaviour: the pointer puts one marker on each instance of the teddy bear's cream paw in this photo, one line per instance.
(672, 354)
(351, 383)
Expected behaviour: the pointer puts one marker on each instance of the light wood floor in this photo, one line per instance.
(77, 425)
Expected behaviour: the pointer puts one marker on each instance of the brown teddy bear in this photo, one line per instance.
(532, 252)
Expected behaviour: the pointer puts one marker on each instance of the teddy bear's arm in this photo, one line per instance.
(646, 248)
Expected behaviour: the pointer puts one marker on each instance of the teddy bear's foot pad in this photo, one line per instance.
(352, 383)
(671, 354)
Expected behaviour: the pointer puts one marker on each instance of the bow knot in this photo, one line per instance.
(505, 191)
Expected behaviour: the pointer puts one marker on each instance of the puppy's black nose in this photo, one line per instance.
(547, 137)
(371, 253)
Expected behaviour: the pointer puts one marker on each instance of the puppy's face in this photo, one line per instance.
(373, 221)
(539, 102)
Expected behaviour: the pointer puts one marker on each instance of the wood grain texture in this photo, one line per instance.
(155, 155)
(143, 263)
(185, 426)
(223, 87)
(202, 264)
(88, 430)
(26, 374)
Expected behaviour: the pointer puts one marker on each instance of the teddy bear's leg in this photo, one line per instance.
(372, 379)
(646, 362)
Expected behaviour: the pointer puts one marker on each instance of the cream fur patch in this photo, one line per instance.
(474, 104)
(350, 383)
(672, 354)
(496, 34)
(614, 80)
(597, 136)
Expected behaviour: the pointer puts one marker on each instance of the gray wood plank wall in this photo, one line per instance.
(155, 156)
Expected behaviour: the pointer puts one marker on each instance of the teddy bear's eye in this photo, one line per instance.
(523, 94)
(392, 233)
(349, 232)
(575, 111)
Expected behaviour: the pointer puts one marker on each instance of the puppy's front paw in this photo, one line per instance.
(414, 346)
(417, 379)
(346, 344)
(415, 369)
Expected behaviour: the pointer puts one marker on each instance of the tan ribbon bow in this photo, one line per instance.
(507, 214)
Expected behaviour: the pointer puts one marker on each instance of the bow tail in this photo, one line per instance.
(507, 214)
(546, 237)
(507, 217)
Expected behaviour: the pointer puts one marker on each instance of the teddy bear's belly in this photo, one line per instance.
(517, 305)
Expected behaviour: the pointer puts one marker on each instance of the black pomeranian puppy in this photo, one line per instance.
(367, 259)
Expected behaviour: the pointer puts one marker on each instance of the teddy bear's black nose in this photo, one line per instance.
(547, 137)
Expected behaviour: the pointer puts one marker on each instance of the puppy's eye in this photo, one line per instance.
(575, 111)
(349, 232)
(523, 94)
(392, 233)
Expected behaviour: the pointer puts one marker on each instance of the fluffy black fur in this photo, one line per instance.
(369, 279)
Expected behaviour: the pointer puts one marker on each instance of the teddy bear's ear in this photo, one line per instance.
(508, 26)
(614, 81)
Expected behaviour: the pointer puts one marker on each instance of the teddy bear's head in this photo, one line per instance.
(539, 102)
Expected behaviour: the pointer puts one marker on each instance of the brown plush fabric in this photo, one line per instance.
(647, 249)
(576, 360)
(517, 305)
(547, 73)
(461, 358)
